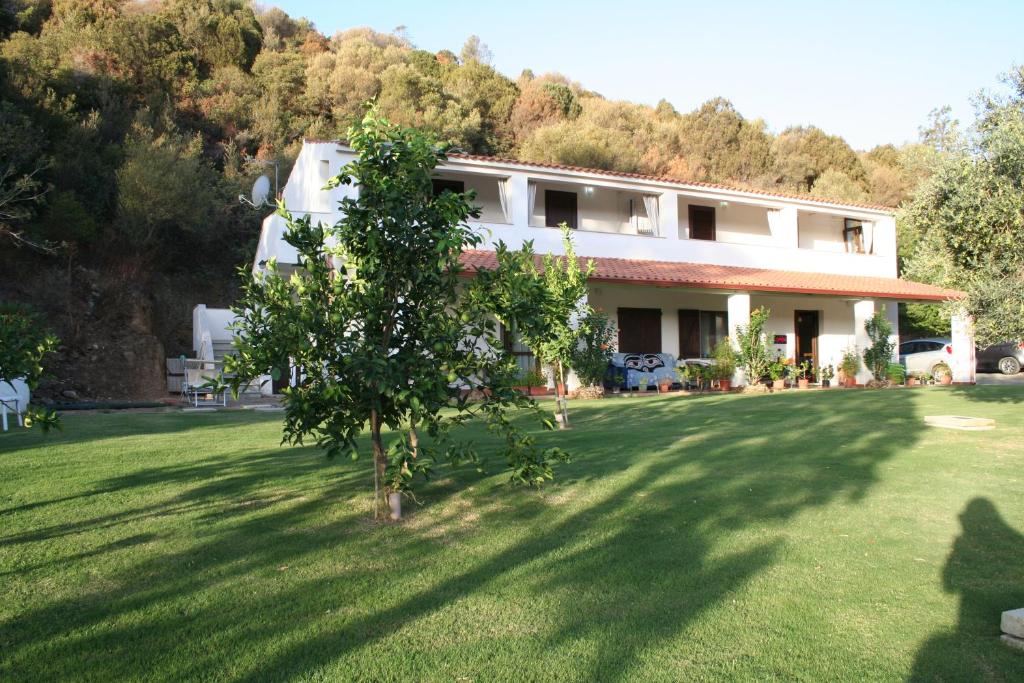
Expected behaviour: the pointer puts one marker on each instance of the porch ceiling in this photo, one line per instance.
(706, 276)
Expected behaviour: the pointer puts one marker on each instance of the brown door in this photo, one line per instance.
(806, 326)
(702, 222)
(639, 330)
(689, 333)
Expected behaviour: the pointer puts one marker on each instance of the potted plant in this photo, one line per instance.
(826, 372)
(801, 371)
(896, 373)
(685, 373)
(942, 373)
(642, 382)
(533, 383)
(850, 365)
(725, 364)
(926, 378)
(912, 380)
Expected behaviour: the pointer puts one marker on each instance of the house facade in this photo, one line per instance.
(677, 265)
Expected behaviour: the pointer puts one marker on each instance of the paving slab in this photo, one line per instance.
(1012, 622)
(1012, 641)
(962, 422)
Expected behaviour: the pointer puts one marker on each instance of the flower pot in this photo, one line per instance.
(946, 380)
(395, 505)
(803, 383)
(778, 384)
(664, 386)
(825, 383)
(849, 382)
(725, 384)
(912, 382)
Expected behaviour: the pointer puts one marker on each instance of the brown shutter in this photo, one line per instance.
(640, 330)
(559, 207)
(689, 333)
(702, 222)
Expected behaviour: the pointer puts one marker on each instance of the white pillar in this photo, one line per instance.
(963, 362)
(518, 200)
(739, 315)
(862, 311)
(892, 314)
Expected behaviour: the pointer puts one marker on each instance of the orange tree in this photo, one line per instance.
(386, 333)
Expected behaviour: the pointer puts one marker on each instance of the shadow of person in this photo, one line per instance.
(986, 568)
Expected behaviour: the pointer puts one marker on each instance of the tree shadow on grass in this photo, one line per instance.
(986, 569)
(990, 393)
(635, 541)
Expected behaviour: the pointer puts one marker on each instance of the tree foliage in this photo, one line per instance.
(385, 332)
(754, 355)
(24, 346)
(878, 354)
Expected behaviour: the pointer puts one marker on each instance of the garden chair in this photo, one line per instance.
(202, 380)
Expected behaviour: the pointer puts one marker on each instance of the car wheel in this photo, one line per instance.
(1009, 365)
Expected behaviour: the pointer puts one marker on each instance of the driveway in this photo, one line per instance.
(1000, 379)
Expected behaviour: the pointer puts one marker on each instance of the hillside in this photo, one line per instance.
(130, 128)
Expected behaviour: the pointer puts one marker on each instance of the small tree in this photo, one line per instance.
(754, 355)
(878, 354)
(561, 310)
(385, 331)
(24, 345)
(594, 349)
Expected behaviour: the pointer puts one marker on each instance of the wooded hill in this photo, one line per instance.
(130, 128)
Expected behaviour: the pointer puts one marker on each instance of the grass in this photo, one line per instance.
(803, 536)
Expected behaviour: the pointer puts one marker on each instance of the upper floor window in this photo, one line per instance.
(853, 236)
(702, 222)
(559, 207)
(442, 185)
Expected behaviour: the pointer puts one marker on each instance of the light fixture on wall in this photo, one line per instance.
(588, 190)
(723, 205)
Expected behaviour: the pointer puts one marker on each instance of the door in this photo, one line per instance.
(559, 207)
(702, 222)
(689, 333)
(639, 330)
(806, 326)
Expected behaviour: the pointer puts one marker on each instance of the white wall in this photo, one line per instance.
(734, 223)
(600, 210)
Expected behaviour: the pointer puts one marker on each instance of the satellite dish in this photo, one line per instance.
(260, 191)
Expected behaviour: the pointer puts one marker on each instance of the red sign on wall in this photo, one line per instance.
(780, 339)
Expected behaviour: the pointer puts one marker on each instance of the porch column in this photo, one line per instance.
(572, 382)
(739, 315)
(784, 227)
(862, 311)
(963, 363)
(668, 206)
(518, 200)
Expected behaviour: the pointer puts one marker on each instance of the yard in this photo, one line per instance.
(808, 535)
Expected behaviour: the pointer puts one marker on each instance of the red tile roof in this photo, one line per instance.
(705, 276)
(674, 181)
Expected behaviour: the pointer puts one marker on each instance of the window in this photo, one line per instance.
(702, 222)
(700, 332)
(853, 236)
(525, 359)
(559, 207)
(441, 185)
(639, 330)
(325, 169)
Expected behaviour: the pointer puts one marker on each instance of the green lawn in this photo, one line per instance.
(808, 535)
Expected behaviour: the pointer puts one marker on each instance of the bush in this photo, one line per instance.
(896, 373)
(594, 350)
(850, 364)
(725, 360)
(754, 355)
(879, 354)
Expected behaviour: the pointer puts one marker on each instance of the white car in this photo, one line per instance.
(921, 356)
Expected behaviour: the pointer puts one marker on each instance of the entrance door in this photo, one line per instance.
(640, 330)
(806, 326)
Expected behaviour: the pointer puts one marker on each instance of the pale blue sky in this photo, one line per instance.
(869, 71)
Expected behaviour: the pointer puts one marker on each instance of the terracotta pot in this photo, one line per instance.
(849, 382)
(778, 384)
(803, 383)
(826, 383)
(665, 386)
(725, 384)
(946, 380)
(911, 381)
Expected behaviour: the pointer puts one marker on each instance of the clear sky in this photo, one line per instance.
(869, 71)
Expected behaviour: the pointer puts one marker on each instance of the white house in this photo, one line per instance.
(678, 264)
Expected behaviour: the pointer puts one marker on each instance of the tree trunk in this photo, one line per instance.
(380, 463)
